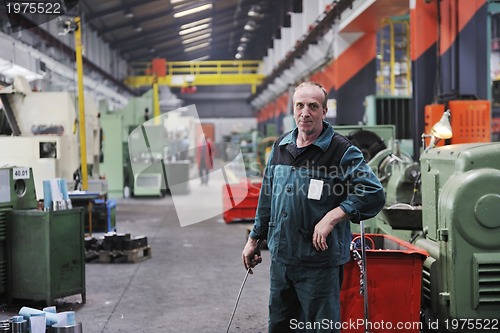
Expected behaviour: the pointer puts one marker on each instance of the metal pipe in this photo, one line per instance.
(429, 246)
(238, 299)
(365, 277)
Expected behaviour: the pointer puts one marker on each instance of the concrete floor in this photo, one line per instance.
(189, 285)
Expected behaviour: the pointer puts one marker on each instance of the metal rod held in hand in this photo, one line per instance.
(238, 299)
(365, 279)
(257, 250)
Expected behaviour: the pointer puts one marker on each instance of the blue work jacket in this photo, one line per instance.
(301, 185)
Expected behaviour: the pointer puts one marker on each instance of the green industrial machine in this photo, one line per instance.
(461, 232)
(46, 254)
(116, 128)
(246, 143)
(449, 205)
(146, 146)
(391, 110)
(17, 192)
(371, 140)
(400, 176)
(41, 252)
(113, 151)
(394, 167)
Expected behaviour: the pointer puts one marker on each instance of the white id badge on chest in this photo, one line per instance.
(315, 189)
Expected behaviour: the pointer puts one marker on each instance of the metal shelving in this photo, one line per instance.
(393, 57)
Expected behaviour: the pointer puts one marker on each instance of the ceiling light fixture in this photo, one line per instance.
(193, 29)
(128, 14)
(206, 32)
(250, 26)
(193, 10)
(196, 47)
(255, 12)
(197, 38)
(138, 28)
(196, 23)
(176, 1)
(196, 34)
(205, 57)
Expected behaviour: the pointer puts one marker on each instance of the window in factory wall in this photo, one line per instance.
(48, 150)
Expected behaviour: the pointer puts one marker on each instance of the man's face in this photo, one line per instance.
(308, 109)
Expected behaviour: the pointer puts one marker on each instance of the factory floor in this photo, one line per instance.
(189, 284)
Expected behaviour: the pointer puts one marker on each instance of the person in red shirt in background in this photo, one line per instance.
(204, 158)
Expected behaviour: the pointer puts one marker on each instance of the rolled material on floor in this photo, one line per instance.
(27, 312)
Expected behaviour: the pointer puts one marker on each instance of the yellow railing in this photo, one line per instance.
(197, 73)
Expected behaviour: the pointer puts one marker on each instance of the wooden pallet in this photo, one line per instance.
(130, 256)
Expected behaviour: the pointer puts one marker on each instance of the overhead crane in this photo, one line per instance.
(188, 74)
(196, 73)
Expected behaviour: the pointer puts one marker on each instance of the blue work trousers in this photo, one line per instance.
(304, 299)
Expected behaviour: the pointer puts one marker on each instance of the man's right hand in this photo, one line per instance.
(251, 254)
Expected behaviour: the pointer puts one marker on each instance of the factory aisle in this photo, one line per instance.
(189, 285)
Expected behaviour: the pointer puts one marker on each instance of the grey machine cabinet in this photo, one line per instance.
(46, 255)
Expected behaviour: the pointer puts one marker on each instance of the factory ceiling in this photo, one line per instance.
(189, 29)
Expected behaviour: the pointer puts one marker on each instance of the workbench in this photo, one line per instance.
(86, 200)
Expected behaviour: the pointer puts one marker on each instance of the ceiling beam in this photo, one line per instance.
(175, 26)
(174, 38)
(170, 55)
(218, 40)
(112, 10)
(161, 15)
(152, 39)
(124, 24)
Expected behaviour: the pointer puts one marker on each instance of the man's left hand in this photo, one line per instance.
(324, 227)
(321, 232)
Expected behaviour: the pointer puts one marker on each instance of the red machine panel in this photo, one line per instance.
(470, 121)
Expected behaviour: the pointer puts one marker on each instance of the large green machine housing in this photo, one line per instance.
(41, 252)
(461, 225)
(449, 205)
(17, 191)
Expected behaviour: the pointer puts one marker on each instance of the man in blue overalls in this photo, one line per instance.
(315, 181)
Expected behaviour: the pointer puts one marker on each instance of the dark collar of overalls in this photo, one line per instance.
(323, 141)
